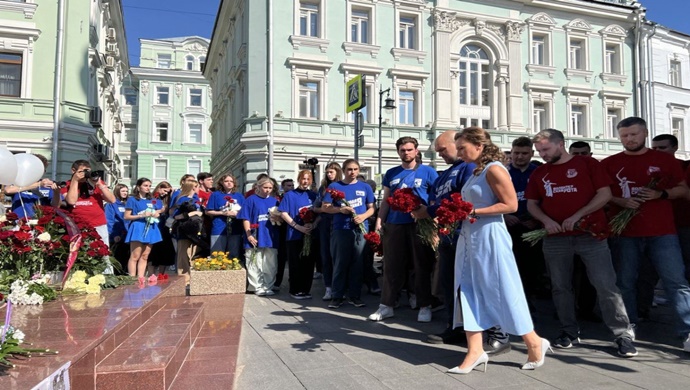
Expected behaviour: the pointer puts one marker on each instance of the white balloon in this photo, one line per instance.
(8, 166)
(29, 169)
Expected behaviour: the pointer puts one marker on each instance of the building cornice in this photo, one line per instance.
(600, 9)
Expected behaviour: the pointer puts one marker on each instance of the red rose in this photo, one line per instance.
(5, 234)
(254, 226)
(307, 215)
(404, 200)
(228, 198)
(39, 229)
(22, 236)
(91, 253)
(66, 238)
(59, 220)
(11, 216)
(153, 202)
(335, 194)
(44, 220)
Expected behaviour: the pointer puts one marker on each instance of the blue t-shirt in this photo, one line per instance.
(520, 180)
(255, 210)
(217, 202)
(358, 195)
(31, 198)
(115, 215)
(294, 201)
(182, 199)
(449, 181)
(420, 179)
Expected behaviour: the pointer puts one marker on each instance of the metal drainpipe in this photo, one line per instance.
(57, 86)
(638, 63)
(648, 87)
(269, 86)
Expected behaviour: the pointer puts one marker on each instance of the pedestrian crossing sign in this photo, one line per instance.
(355, 97)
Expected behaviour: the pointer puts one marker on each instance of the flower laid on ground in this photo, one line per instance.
(451, 212)
(623, 217)
(78, 283)
(404, 200)
(307, 215)
(218, 261)
(11, 340)
(339, 196)
(374, 240)
(254, 230)
(600, 230)
(21, 293)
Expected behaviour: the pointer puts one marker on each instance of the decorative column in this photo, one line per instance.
(445, 23)
(502, 80)
(516, 119)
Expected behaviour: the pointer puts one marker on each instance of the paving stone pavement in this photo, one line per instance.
(289, 344)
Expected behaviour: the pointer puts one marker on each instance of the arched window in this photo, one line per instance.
(474, 76)
(190, 62)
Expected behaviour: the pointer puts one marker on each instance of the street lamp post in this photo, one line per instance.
(390, 105)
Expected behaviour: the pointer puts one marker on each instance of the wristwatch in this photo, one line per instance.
(664, 194)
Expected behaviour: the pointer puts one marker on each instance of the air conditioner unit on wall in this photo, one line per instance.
(111, 34)
(96, 116)
(110, 62)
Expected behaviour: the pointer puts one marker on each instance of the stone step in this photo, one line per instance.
(151, 356)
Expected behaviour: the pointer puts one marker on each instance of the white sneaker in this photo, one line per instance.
(317, 274)
(412, 300)
(686, 344)
(382, 313)
(328, 295)
(424, 314)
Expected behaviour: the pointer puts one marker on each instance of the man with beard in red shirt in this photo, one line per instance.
(651, 232)
(559, 194)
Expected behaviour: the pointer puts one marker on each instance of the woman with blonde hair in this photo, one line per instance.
(185, 209)
(488, 289)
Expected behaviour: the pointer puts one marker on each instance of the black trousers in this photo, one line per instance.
(300, 268)
(282, 254)
(402, 247)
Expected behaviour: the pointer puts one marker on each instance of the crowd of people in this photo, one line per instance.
(484, 274)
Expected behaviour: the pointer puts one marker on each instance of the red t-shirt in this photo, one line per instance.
(631, 173)
(204, 197)
(89, 206)
(681, 207)
(563, 189)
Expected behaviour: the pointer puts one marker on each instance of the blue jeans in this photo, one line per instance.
(347, 248)
(231, 244)
(325, 252)
(665, 254)
(595, 254)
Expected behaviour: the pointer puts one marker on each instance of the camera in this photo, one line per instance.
(62, 184)
(92, 174)
(312, 161)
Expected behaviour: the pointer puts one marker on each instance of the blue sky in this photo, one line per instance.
(175, 18)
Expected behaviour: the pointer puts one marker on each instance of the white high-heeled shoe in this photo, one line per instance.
(545, 346)
(482, 359)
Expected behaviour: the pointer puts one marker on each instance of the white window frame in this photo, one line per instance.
(160, 58)
(189, 59)
(357, 47)
(303, 88)
(130, 91)
(297, 39)
(415, 13)
(167, 169)
(675, 73)
(613, 36)
(188, 133)
(540, 116)
(613, 116)
(613, 101)
(158, 92)
(578, 31)
(201, 165)
(541, 25)
(309, 8)
(127, 127)
(125, 171)
(467, 72)
(358, 16)
(20, 41)
(578, 126)
(415, 107)
(410, 80)
(678, 132)
(580, 97)
(154, 133)
(542, 94)
(189, 97)
(313, 70)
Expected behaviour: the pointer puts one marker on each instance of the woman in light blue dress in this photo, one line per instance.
(488, 290)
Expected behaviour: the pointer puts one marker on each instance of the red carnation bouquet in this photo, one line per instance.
(405, 201)
(621, 220)
(253, 231)
(374, 240)
(598, 229)
(451, 212)
(228, 206)
(339, 196)
(306, 214)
